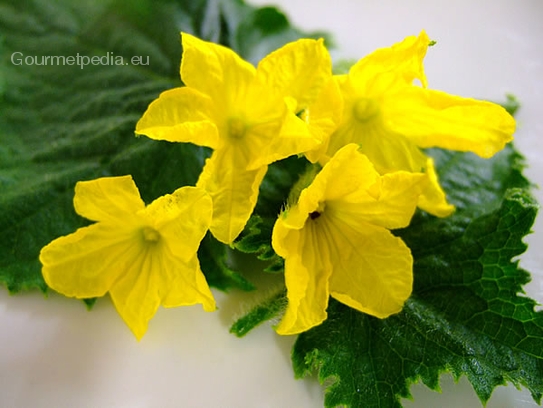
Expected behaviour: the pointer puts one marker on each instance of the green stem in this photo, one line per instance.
(303, 182)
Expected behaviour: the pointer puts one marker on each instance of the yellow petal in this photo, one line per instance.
(363, 123)
(141, 255)
(347, 172)
(435, 119)
(433, 199)
(337, 227)
(259, 135)
(136, 294)
(393, 152)
(387, 68)
(323, 118)
(186, 285)
(270, 131)
(299, 70)
(215, 70)
(158, 276)
(388, 151)
(234, 192)
(293, 138)
(180, 115)
(307, 270)
(365, 89)
(357, 194)
(373, 269)
(392, 207)
(86, 263)
(107, 199)
(181, 219)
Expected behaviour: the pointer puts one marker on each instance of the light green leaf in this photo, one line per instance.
(266, 310)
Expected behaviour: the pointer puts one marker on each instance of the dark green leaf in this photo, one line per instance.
(255, 33)
(276, 186)
(476, 186)
(61, 123)
(213, 257)
(465, 315)
(256, 239)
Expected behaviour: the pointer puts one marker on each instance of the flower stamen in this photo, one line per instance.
(150, 235)
(236, 128)
(365, 109)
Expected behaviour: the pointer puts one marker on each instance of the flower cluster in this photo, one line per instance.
(363, 133)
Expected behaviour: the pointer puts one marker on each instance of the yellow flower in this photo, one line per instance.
(391, 118)
(301, 72)
(143, 256)
(246, 115)
(335, 241)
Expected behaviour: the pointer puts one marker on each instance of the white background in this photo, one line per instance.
(53, 353)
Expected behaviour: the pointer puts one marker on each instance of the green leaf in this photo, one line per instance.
(62, 123)
(512, 104)
(255, 239)
(264, 311)
(467, 315)
(214, 257)
(254, 33)
(464, 317)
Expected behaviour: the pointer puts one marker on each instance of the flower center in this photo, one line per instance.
(318, 212)
(365, 109)
(314, 215)
(236, 127)
(150, 235)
